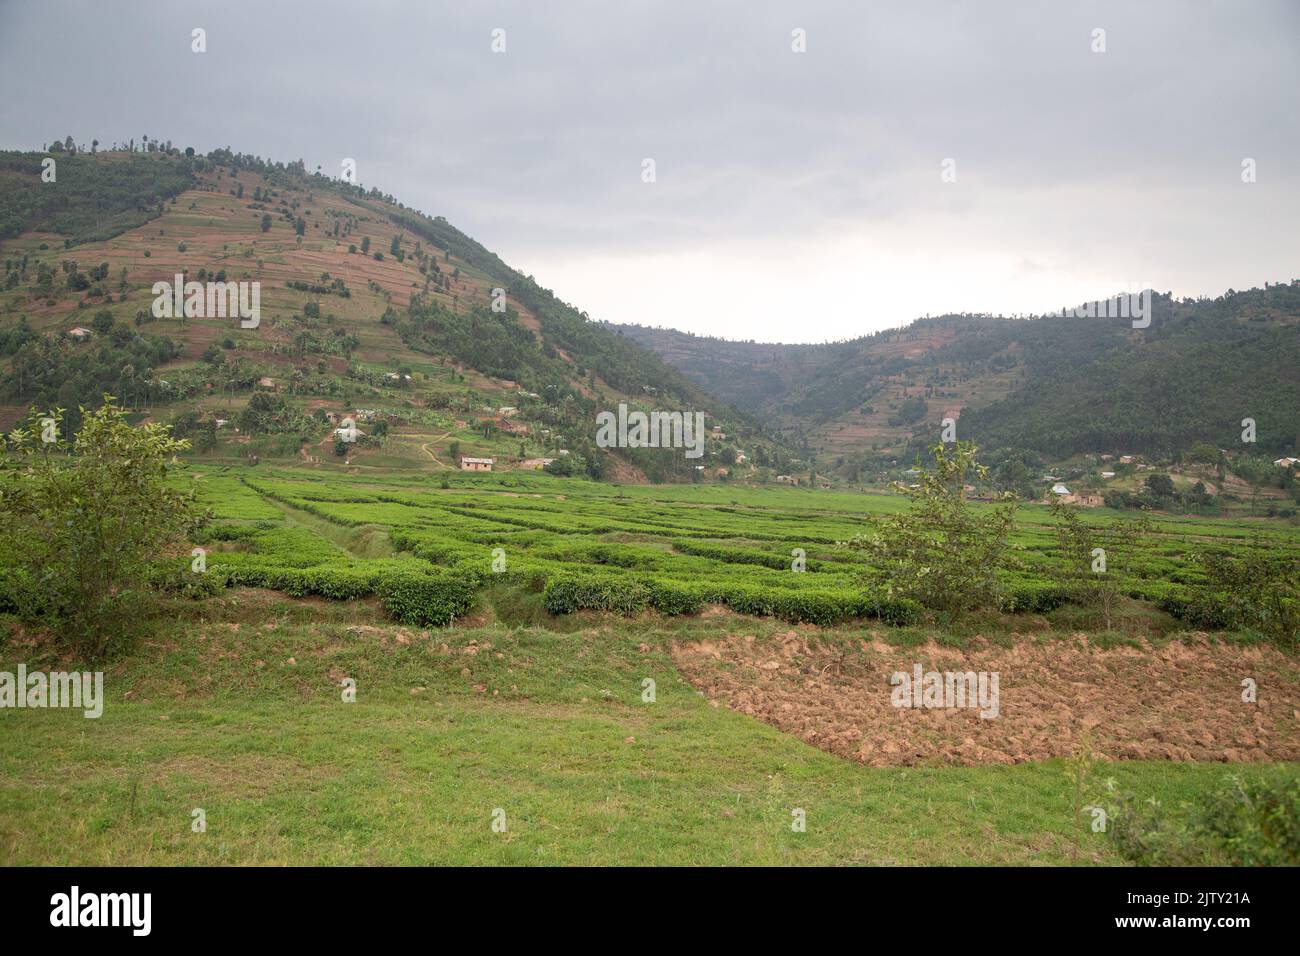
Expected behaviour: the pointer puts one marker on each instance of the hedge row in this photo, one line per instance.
(566, 593)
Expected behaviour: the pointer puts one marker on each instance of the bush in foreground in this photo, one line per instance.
(1244, 823)
(82, 522)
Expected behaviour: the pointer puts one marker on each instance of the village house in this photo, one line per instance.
(265, 382)
(80, 332)
(787, 480)
(535, 464)
(1287, 462)
(475, 464)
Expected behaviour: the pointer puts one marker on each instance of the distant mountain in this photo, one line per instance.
(1055, 385)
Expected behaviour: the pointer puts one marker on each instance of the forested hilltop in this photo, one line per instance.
(1054, 385)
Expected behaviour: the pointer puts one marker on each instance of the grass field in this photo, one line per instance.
(538, 720)
(236, 710)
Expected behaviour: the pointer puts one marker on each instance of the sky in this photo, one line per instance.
(913, 159)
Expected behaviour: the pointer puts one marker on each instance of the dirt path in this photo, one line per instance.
(1178, 702)
(425, 448)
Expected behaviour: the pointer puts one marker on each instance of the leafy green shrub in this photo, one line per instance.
(84, 521)
(1255, 587)
(426, 600)
(1034, 597)
(179, 577)
(1244, 823)
(671, 597)
(1203, 610)
(567, 593)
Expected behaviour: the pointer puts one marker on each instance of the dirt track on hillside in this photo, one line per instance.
(1178, 702)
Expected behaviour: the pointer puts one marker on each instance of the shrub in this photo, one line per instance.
(1034, 597)
(1243, 823)
(426, 600)
(83, 522)
(567, 593)
(1256, 588)
(670, 597)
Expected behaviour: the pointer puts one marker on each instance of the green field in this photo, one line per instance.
(234, 705)
(585, 545)
(248, 725)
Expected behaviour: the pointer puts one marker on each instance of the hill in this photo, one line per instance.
(367, 306)
(1055, 385)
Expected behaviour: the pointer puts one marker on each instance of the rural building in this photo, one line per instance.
(1287, 462)
(1060, 490)
(1108, 474)
(475, 464)
(535, 464)
(80, 332)
(265, 382)
(505, 411)
(348, 433)
(1126, 459)
(787, 479)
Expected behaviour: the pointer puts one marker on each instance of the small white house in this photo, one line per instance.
(1059, 489)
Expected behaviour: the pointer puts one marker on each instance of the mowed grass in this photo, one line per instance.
(235, 707)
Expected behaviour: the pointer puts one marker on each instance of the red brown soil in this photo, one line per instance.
(1177, 702)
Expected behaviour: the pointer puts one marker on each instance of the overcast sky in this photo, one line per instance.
(798, 196)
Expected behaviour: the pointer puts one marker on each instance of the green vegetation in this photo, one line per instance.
(93, 197)
(1244, 821)
(84, 523)
(236, 708)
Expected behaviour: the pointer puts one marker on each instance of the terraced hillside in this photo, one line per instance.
(365, 305)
